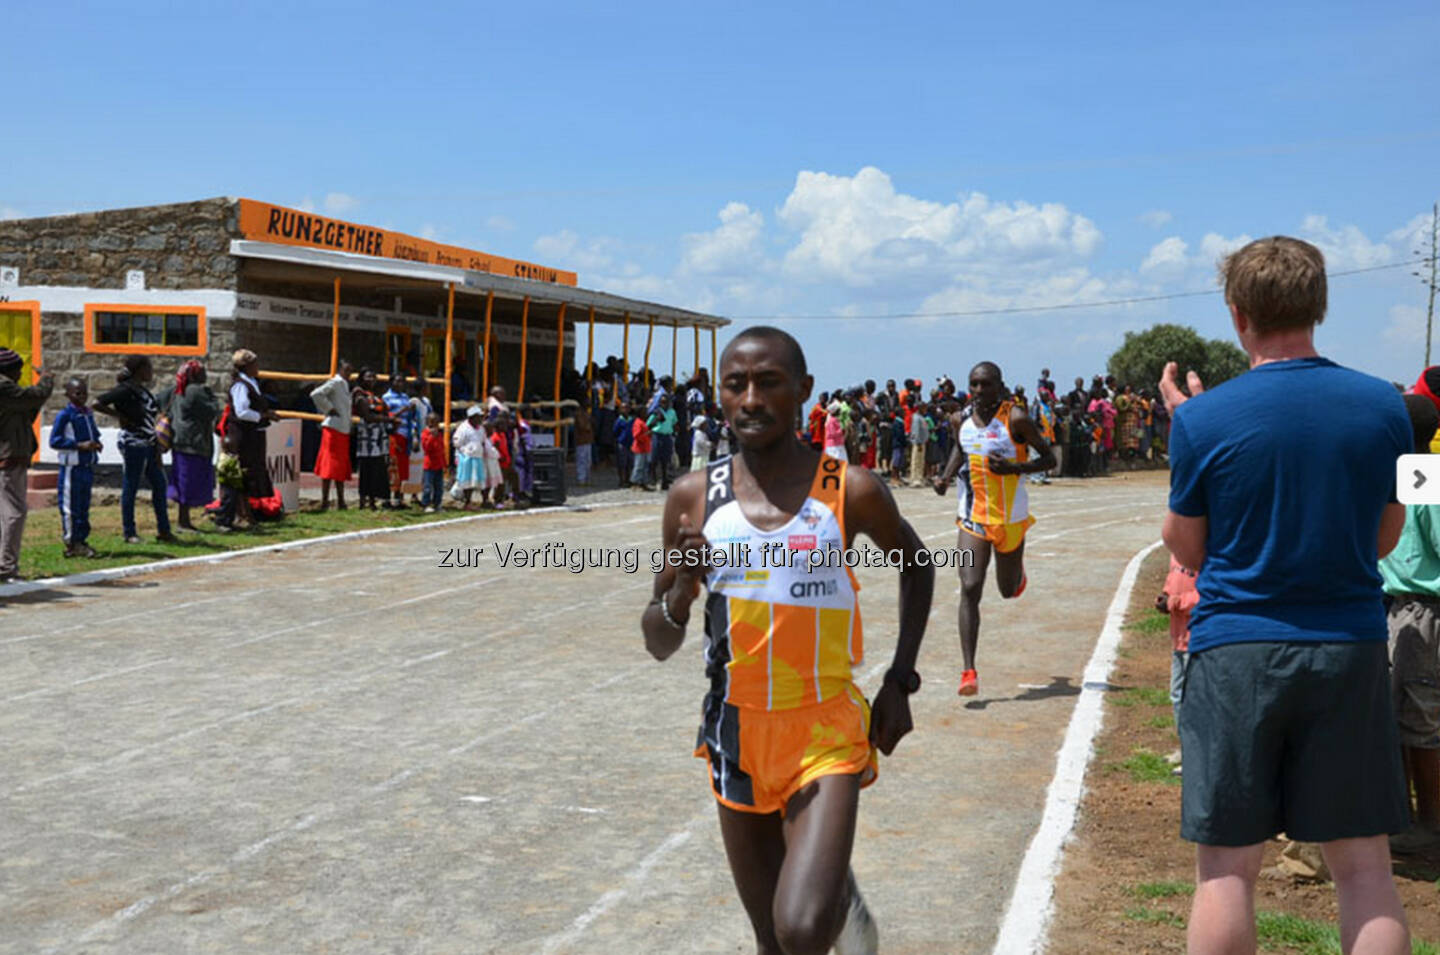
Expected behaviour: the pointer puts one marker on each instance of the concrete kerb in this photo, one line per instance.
(132, 570)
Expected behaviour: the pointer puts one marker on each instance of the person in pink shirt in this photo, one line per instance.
(1104, 413)
(1178, 599)
(835, 433)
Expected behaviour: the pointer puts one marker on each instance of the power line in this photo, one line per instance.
(1016, 309)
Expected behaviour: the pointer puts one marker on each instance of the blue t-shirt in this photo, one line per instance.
(1292, 463)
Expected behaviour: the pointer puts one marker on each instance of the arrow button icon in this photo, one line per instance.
(1413, 478)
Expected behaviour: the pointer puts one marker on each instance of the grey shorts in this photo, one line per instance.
(1415, 670)
(1297, 738)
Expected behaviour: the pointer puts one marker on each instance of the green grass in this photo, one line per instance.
(1277, 931)
(1161, 890)
(1163, 721)
(1152, 623)
(1147, 767)
(1148, 695)
(42, 551)
(1154, 916)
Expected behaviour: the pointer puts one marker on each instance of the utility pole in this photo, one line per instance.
(1430, 279)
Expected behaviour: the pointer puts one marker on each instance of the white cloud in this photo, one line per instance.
(565, 249)
(1345, 247)
(856, 245)
(1407, 325)
(731, 248)
(306, 205)
(1167, 257)
(1412, 240)
(499, 224)
(869, 247)
(1170, 260)
(338, 203)
(10, 212)
(858, 230)
(1062, 287)
(1155, 218)
(428, 231)
(1214, 247)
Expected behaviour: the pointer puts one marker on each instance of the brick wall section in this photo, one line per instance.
(184, 245)
(62, 343)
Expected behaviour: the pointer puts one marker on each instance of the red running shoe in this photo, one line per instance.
(1024, 579)
(969, 683)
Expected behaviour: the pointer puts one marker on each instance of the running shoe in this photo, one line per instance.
(1024, 579)
(969, 683)
(858, 936)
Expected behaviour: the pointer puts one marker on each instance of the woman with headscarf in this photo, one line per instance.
(372, 441)
(134, 406)
(247, 415)
(193, 412)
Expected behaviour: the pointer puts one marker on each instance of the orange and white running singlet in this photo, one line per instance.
(780, 641)
(993, 506)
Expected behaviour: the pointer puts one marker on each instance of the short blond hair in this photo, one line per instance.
(1277, 283)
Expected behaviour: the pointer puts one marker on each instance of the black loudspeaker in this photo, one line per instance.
(549, 471)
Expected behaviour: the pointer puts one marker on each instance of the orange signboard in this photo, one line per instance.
(270, 223)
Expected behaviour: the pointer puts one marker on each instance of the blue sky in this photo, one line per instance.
(759, 161)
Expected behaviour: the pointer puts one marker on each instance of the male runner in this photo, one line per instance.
(789, 738)
(992, 440)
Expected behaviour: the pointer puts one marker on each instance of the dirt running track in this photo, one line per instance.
(347, 748)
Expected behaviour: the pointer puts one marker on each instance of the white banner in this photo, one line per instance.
(282, 460)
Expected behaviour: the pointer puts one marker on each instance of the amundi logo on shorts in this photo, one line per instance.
(803, 589)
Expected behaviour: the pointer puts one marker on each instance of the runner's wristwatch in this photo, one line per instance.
(906, 683)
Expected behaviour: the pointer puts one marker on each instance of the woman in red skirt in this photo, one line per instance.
(332, 464)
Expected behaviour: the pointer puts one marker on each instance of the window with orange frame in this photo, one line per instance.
(146, 329)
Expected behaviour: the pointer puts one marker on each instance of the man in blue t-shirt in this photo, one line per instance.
(1286, 720)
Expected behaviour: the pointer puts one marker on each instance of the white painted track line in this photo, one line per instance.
(1027, 917)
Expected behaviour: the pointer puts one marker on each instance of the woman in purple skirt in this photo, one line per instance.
(193, 412)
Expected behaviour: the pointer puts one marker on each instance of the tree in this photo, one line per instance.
(1142, 356)
(1223, 361)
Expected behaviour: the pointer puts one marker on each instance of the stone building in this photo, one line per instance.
(200, 279)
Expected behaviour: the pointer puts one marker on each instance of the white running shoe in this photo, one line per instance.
(859, 936)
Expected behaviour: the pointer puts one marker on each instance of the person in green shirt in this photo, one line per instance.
(662, 422)
(1411, 574)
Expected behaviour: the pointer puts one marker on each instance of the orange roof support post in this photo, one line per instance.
(559, 362)
(449, 363)
(335, 331)
(524, 342)
(485, 355)
(624, 359)
(590, 358)
(645, 378)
